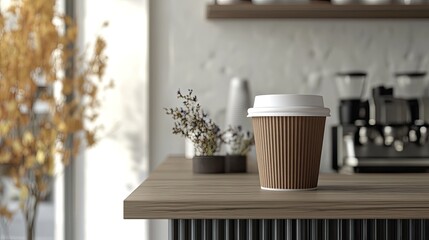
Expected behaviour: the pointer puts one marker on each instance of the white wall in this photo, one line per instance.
(117, 164)
(277, 56)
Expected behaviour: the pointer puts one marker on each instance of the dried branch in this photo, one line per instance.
(44, 98)
(190, 121)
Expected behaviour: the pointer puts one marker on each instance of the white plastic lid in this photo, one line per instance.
(288, 105)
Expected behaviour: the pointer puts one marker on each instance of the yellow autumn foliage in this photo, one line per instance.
(38, 121)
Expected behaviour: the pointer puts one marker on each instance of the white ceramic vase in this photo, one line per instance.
(189, 149)
(238, 103)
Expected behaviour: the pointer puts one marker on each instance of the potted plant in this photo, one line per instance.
(191, 122)
(49, 98)
(239, 144)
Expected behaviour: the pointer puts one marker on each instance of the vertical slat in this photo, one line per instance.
(332, 229)
(388, 230)
(229, 229)
(240, 229)
(356, 229)
(265, 229)
(414, 229)
(399, 229)
(391, 229)
(272, 228)
(279, 229)
(344, 228)
(173, 232)
(253, 229)
(236, 229)
(289, 229)
(418, 227)
(314, 229)
(298, 229)
(221, 230)
(307, 229)
(365, 229)
(340, 229)
(184, 229)
(295, 229)
(319, 234)
(243, 229)
(406, 229)
(320, 228)
(326, 229)
(218, 229)
(181, 229)
(188, 228)
(215, 228)
(380, 228)
(207, 229)
(372, 231)
(196, 229)
(351, 229)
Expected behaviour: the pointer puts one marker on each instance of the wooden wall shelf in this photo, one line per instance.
(316, 10)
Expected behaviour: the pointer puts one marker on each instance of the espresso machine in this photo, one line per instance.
(386, 133)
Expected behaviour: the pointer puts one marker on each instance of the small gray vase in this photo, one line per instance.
(208, 164)
(235, 163)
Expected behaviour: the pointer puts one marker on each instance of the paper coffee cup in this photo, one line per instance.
(288, 133)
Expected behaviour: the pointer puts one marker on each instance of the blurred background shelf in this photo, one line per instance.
(316, 10)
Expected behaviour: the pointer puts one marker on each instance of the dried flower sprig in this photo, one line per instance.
(190, 121)
(239, 141)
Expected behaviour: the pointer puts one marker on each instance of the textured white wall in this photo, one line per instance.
(277, 56)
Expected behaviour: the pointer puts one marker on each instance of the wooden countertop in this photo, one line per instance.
(173, 192)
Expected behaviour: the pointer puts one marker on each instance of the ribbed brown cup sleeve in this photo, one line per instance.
(288, 151)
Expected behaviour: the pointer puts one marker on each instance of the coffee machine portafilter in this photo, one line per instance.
(386, 133)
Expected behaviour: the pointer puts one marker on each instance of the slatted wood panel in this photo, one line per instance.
(317, 10)
(292, 229)
(173, 192)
